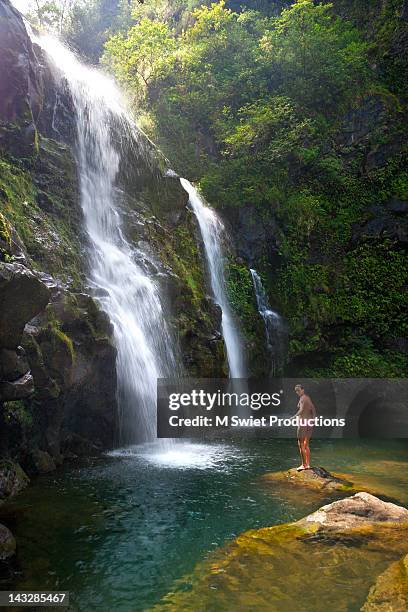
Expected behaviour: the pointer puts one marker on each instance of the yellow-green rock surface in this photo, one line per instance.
(327, 560)
(390, 591)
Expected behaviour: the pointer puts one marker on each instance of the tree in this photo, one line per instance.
(140, 56)
(50, 14)
(319, 60)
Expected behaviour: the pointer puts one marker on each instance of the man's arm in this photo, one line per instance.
(299, 412)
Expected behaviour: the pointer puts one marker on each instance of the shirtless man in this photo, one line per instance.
(306, 410)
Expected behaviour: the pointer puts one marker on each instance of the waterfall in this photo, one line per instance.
(126, 292)
(212, 232)
(274, 327)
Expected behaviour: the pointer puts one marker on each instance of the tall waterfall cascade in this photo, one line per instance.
(212, 233)
(274, 326)
(128, 295)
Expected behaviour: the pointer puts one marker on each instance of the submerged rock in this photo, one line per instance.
(347, 543)
(390, 591)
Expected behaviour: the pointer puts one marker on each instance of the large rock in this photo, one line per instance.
(22, 296)
(73, 362)
(20, 84)
(41, 462)
(327, 560)
(12, 479)
(7, 543)
(356, 511)
(18, 389)
(318, 485)
(13, 364)
(390, 591)
(316, 478)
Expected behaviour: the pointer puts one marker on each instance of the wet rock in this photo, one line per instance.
(41, 462)
(46, 387)
(348, 543)
(7, 543)
(316, 478)
(75, 446)
(356, 511)
(12, 479)
(13, 364)
(390, 591)
(17, 389)
(22, 296)
(21, 90)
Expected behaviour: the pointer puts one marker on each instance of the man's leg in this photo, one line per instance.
(306, 452)
(302, 455)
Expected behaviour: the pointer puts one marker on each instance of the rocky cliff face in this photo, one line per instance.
(57, 358)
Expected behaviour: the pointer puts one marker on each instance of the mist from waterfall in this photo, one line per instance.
(117, 273)
(274, 326)
(213, 232)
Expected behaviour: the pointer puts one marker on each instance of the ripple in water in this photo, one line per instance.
(185, 455)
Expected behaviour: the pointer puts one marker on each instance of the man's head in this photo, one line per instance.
(299, 390)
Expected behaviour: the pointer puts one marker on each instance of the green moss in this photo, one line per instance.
(17, 411)
(57, 338)
(44, 213)
(66, 340)
(243, 302)
(5, 238)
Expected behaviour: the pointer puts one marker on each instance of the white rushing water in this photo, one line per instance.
(212, 232)
(129, 296)
(274, 327)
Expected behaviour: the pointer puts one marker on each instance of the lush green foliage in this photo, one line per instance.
(294, 109)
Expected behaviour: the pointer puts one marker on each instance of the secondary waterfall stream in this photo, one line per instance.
(274, 327)
(212, 232)
(127, 294)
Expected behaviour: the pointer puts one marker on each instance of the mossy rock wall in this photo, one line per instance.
(67, 351)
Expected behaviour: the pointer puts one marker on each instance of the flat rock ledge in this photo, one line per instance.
(316, 478)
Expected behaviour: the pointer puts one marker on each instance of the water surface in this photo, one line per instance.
(118, 531)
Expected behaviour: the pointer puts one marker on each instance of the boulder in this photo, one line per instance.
(13, 364)
(316, 478)
(21, 388)
(22, 296)
(317, 485)
(12, 479)
(7, 543)
(390, 591)
(327, 560)
(20, 83)
(356, 511)
(41, 462)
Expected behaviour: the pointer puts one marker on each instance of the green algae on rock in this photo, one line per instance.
(390, 591)
(318, 483)
(347, 543)
(316, 478)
